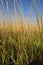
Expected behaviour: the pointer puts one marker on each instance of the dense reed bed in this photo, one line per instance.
(21, 43)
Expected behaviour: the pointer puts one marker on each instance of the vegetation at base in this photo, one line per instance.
(20, 44)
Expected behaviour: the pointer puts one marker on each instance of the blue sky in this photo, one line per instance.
(28, 7)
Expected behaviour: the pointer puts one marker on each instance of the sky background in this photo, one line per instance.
(27, 7)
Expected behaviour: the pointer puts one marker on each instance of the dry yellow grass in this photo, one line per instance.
(25, 38)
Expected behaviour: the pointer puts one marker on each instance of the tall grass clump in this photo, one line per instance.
(21, 43)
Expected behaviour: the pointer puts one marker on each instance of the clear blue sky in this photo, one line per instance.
(28, 7)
